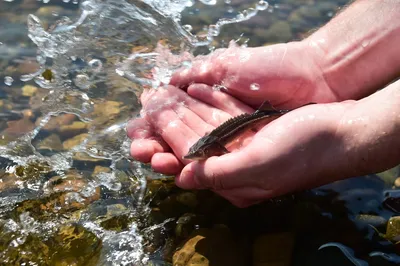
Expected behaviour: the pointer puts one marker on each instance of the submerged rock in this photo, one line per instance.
(100, 169)
(62, 195)
(56, 122)
(273, 249)
(76, 128)
(33, 170)
(29, 90)
(51, 143)
(75, 141)
(393, 229)
(392, 203)
(74, 245)
(32, 250)
(215, 246)
(19, 127)
(117, 218)
(397, 182)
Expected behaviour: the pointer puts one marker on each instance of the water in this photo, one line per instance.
(69, 189)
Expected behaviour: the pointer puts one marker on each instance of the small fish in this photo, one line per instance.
(213, 144)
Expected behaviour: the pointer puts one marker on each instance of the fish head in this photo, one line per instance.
(204, 149)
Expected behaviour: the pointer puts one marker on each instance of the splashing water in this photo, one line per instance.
(74, 161)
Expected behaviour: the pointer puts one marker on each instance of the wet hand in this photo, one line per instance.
(297, 151)
(272, 162)
(285, 74)
(173, 120)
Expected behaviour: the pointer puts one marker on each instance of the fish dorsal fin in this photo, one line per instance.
(228, 125)
(266, 106)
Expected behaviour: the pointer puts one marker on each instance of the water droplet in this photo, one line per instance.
(209, 2)
(34, 24)
(46, 1)
(230, 9)
(41, 59)
(87, 107)
(66, 1)
(254, 86)
(87, 6)
(213, 30)
(85, 97)
(82, 81)
(95, 64)
(188, 27)
(8, 80)
(365, 43)
(262, 5)
(120, 72)
(218, 87)
(228, 2)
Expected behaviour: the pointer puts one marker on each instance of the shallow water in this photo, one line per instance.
(69, 191)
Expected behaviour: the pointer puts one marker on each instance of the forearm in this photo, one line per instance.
(370, 132)
(357, 51)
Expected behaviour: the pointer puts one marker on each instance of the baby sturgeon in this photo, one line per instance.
(213, 143)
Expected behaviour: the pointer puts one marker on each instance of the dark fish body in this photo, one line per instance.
(213, 144)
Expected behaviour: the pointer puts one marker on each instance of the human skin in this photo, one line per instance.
(308, 147)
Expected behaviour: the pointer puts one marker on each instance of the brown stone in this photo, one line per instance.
(273, 249)
(72, 142)
(77, 127)
(19, 127)
(57, 121)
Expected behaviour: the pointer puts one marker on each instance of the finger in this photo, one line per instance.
(224, 172)
(192, 120)
(209, 114)
(205, 69)
(173, 130)
(143, 149)
(146, 95)
(218, 99)
(166, 163)
(139, 128)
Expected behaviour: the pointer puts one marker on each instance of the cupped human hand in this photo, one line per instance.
(298, 150)
(286, 74)
(172, 120)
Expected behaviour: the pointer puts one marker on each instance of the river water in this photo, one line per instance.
(71, 75)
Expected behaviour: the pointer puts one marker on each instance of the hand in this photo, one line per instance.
(286, 74)
(273, 161)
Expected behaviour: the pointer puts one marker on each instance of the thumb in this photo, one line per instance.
(218, 173)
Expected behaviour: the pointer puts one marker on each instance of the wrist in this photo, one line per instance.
(357, 51)
(369, 130)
